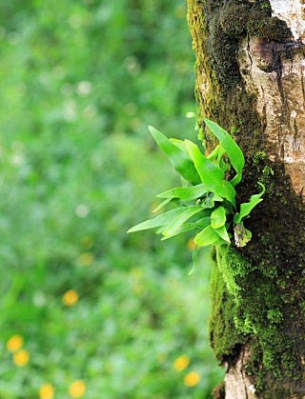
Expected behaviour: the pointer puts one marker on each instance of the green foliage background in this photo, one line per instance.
(80, 82)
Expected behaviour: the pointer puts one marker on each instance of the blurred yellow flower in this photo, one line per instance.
(192, 379)
(86, 259)
(70, 298)
(14, 343)
(21, 358)
(181, 363)
(191, 244)
(46, 391)
(77, 389)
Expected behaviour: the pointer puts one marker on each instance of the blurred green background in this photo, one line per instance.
(86, 310)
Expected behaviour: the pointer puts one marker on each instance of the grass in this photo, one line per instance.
(79, 86)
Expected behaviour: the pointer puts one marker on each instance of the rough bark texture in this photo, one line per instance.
(250, 79)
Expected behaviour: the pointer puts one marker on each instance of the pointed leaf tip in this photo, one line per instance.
(177, 157)
(231, 147)
(152, 129)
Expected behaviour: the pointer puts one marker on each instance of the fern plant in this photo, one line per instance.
(206, 201)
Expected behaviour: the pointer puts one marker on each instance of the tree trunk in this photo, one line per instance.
(250, 79)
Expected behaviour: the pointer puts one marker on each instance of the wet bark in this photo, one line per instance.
(250, 68)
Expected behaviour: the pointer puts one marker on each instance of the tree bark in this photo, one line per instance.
(251, 80)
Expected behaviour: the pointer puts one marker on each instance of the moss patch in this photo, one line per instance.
(216, 46)
(262, 287)
(226, 339)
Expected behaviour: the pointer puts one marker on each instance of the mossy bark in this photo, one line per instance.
(257, 326)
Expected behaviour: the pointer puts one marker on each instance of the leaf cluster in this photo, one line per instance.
(206, 202)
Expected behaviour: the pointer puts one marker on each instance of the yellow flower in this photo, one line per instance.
(14, 343)
(86, 259)
(21, 358)
(70, 298)
(192, 379)
(46, 391)
(181, 363)
(77, 389)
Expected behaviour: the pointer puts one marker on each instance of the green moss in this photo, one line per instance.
(226, 100)
(233, 18)
(266, 8)
(226, 339)
(265, 280)
(237, 19)
(258, 311)
(270, 28)
(216, 28)
(257, 291)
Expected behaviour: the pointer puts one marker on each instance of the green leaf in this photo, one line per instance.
(247, 207)
(241, 235)
(195, 261)
(178, 158)
(202, 163)
(163, 203)
(158, 221)
(223, 233)
(225, 167)
(174, 225)
(185, 193)
(209, 201)
(210, 174)
(232, 149)
(218, 217)
(216, 156)
(200, 224)
(179, 143)
(207, 236)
